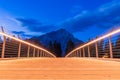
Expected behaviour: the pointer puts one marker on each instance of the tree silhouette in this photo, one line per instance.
(55, 48)
(70, 46)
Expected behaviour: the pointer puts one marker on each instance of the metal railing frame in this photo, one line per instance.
(81, 48)
(37, 49)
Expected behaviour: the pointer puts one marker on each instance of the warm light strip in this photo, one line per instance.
(98, 39)
(26, 43)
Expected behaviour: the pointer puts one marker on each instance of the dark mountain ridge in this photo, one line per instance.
(60, 36)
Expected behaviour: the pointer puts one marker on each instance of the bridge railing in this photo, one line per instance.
(107, 46)
(12, 47)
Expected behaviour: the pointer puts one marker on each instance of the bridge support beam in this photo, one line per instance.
(110, 47)
(96, 49)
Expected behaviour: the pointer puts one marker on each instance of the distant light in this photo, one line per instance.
(26, 43)
(98, 39)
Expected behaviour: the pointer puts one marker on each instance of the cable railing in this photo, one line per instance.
(107, 46)
(12, 47)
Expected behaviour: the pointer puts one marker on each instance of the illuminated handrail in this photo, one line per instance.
(96, 40)
(27, 43)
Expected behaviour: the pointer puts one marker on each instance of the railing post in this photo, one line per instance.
(3, 46)
(77, 53)
(110, 47)
(38, 53)
(34, 52)
(28, 51)
(73, 54)
(88, 51)
(19, 50)
(19, 47)
(42, 53)
(70, 55)
(80, 53)
(83, 52)
(96, 49)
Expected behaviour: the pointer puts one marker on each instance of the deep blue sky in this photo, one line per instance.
(84, 18)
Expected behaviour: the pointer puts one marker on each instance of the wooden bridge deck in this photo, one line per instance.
(59, 69)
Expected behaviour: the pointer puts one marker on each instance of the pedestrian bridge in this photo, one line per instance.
(22, 60)
(59, 69)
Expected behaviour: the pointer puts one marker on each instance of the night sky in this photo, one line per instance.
(83, 18)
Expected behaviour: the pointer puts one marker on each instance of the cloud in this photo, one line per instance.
(21, 33)
(35, 26)
(30, 22)
(18, 32)
(104, 16)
